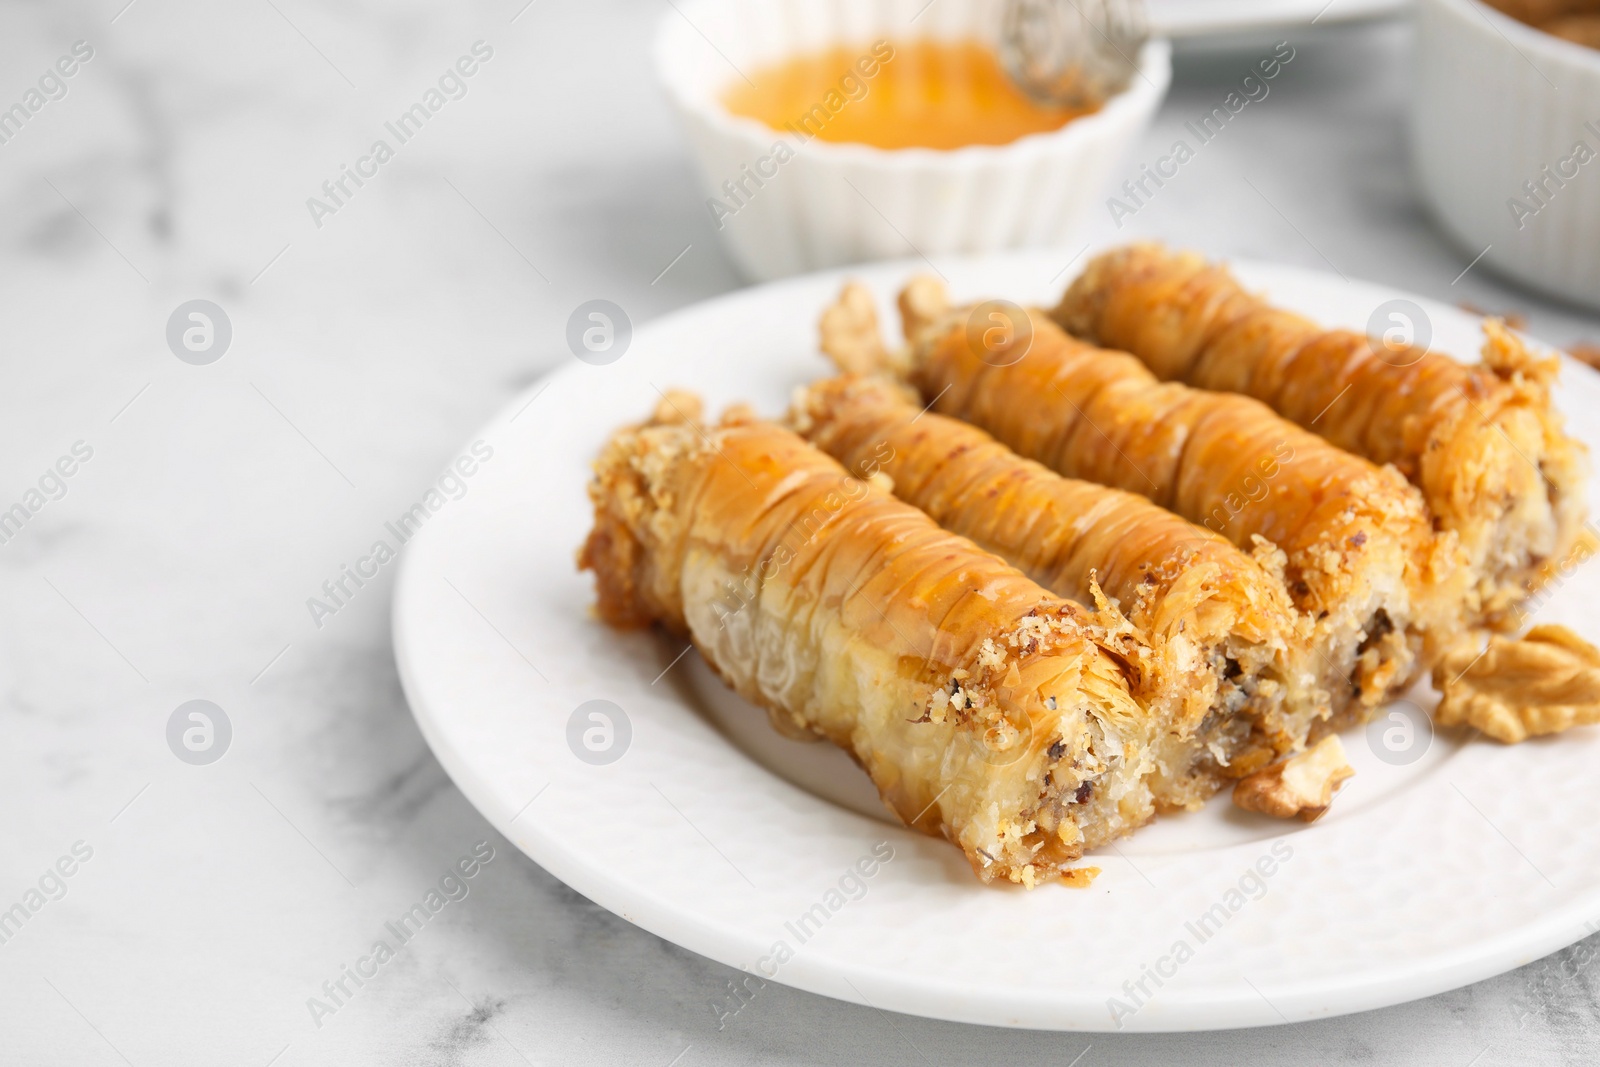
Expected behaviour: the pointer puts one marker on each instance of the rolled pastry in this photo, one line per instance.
(1227, 649)
(1359, 554)
(983, 707)
(1482, 442)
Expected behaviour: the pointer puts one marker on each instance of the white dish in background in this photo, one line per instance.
(713, 832)
(838, 203)
(1192, 20)
(1496, 102)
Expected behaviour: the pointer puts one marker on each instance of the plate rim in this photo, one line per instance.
(1181, 1010)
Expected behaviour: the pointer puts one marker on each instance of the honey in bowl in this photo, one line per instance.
(1577, 21)
(917, 94)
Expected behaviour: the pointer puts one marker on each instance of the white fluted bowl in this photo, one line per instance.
(834, 203)
(1497, 102)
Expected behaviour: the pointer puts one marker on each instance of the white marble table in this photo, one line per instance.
(215, 900)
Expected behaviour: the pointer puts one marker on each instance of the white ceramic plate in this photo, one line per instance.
(713, 832)
(1181, 19)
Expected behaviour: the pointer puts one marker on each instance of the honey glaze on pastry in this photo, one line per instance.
(1360, 555)
(983, 707)
(1228, 650)
(1483, 442)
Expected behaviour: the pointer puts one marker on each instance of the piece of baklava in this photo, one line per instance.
(1483, 442)
(1360, 556)
(1228, 655)
(983, 707)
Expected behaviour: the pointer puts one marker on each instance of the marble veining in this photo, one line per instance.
(178, 562)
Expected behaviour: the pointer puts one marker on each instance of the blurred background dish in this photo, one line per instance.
(1577, 21)
(1235, 23)
(790, 199)
(1505, 141)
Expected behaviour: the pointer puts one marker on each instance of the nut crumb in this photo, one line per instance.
(1080, 877)
(678, 406)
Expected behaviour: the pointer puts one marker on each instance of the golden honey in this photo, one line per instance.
(915, 94)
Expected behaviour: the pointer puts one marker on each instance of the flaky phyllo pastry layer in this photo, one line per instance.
(1040, 594)
(983, 707)
(1484, 443)
(1360, 556)
(1227, 652)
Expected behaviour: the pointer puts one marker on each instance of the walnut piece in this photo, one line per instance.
(923, 303)
(850, 335)
(1543, 683)
(1301, 786)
